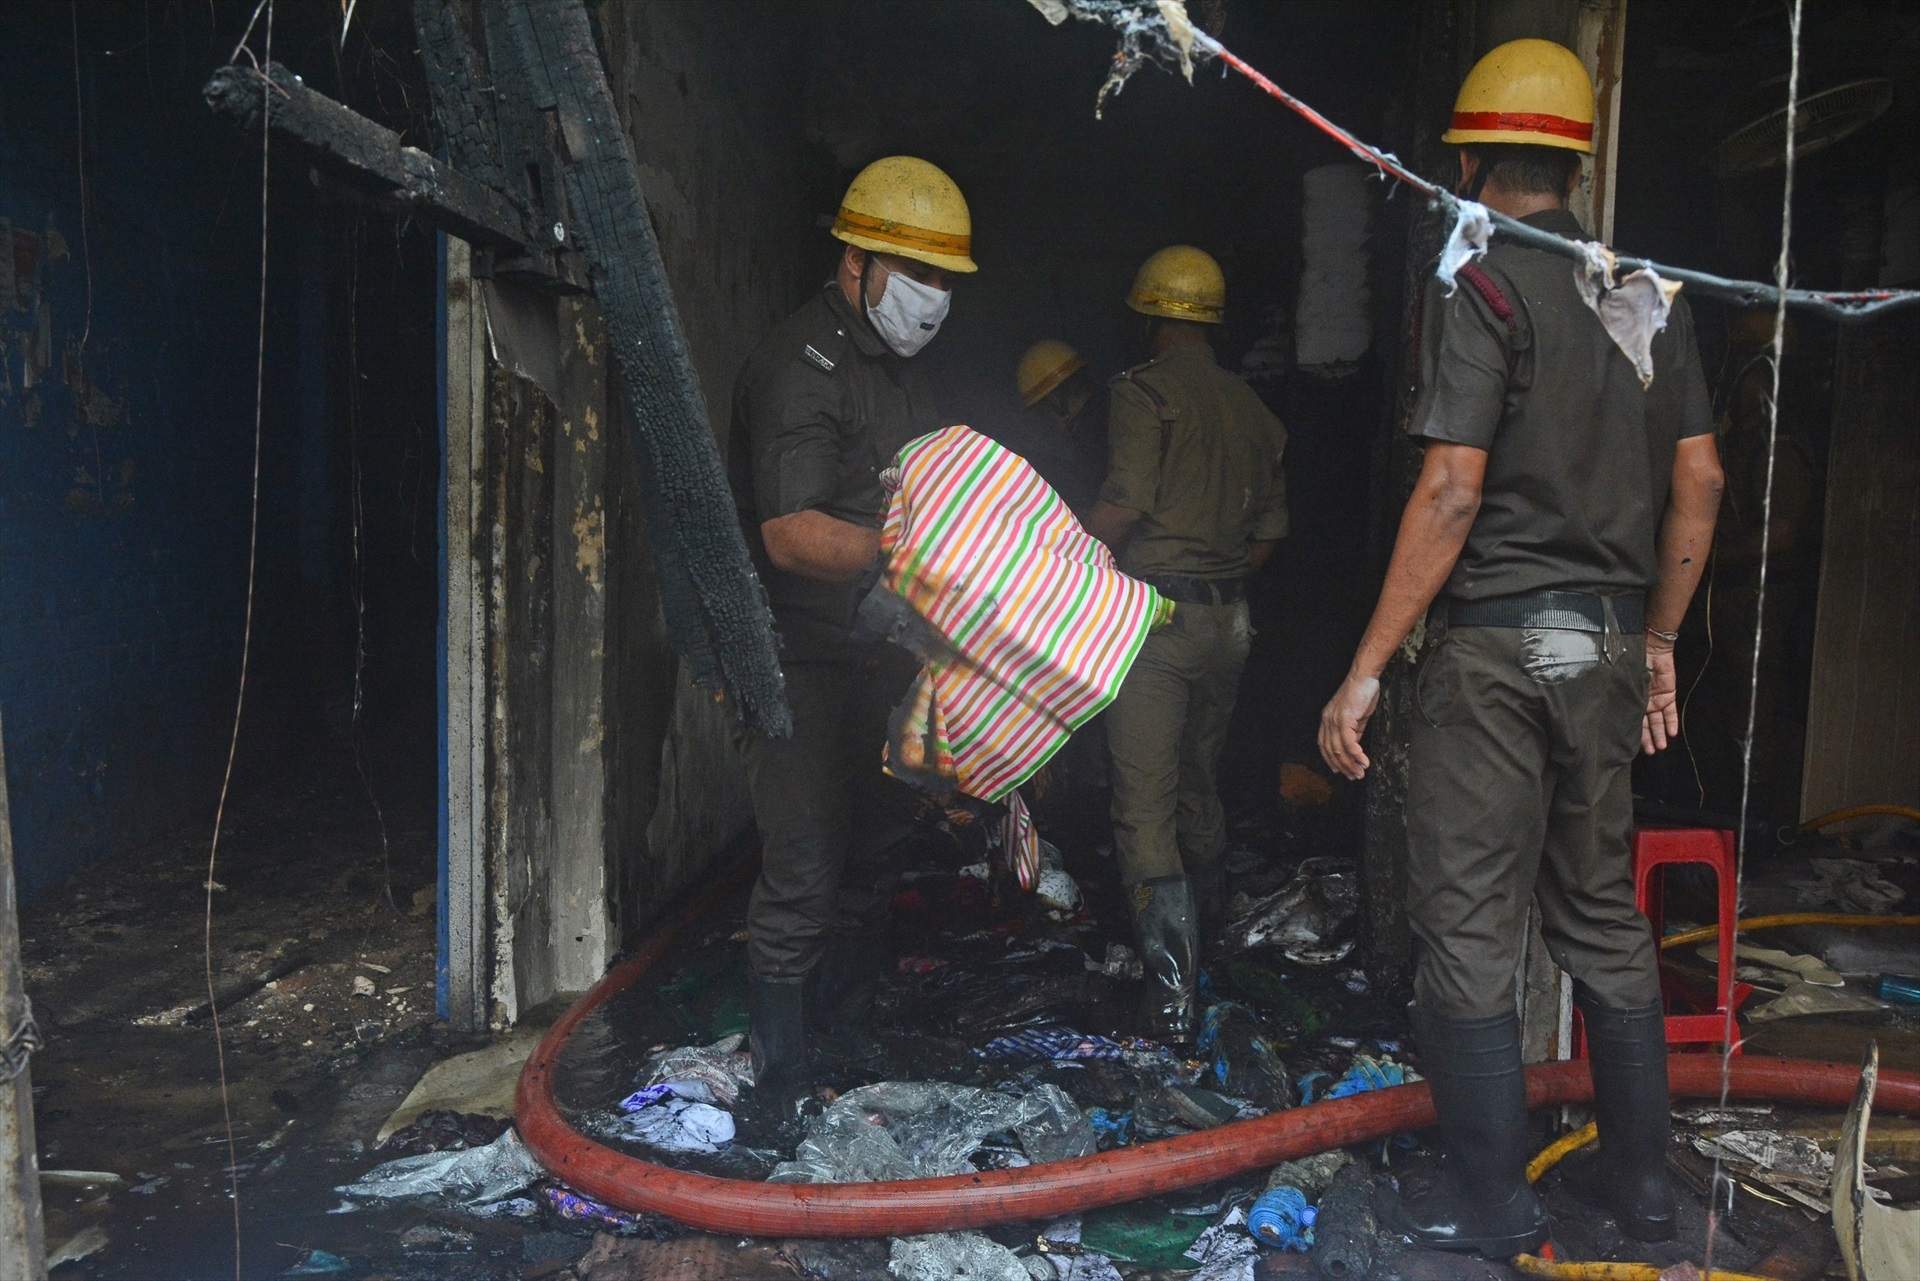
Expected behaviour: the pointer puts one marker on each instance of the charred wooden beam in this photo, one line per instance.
(462, 108)
(716, 610)
(370, 158)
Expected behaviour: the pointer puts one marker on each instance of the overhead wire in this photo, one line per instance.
(1136, 26)
(1782, 270)
(246, 630)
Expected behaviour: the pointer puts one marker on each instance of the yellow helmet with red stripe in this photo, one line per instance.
(1532, 92)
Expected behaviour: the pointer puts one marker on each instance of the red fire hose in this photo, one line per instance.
(1065, 1187)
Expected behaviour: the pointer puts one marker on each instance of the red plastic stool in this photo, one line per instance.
(1654, 848)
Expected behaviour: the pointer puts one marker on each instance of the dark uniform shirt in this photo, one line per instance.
(1579, 454)
(1197, 453)
(1071, 456)
(819, 410)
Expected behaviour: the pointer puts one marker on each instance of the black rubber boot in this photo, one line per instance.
(1627, 1049)
(1210, 898)
(840, 999)
(1167, 928)
(777, 1029)
(1480, 1200)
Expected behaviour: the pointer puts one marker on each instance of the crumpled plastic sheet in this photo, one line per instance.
(1801, 997)
(468, 1177)
(1241, 1060)
(926, 1129)
(674, 1116)
(577, 1207)
(1118, 963)
(1302, 917)
(1073, 1264)
(723, 1067)
(1851, 885)
(1772, 1151)
(1632, 310)
(1472, 229)
(955, 1256)
(1225, 1252)
(1364, 1076)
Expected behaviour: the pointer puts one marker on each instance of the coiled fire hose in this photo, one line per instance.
(913, 1207)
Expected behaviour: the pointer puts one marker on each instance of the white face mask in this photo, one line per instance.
(909, 313)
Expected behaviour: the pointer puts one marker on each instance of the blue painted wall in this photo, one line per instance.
(125, 437)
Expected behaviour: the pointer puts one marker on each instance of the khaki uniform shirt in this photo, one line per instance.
(1195, 452)
(1579, 455)
(820, 408)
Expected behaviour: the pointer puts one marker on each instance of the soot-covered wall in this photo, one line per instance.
(125, 417)
(128, 344)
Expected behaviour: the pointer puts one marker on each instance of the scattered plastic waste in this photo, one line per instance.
(1143, 1234)
(1768, 1150)
(1901, 989)
(577, 1207)
(955, 1256)
(1225, 1252)
(723, 1067)
(318, 1263)
(431, 1238)
(1366, 1074)
(1176, 1109)
(925, 1129)
(469, 1177)
(1115, 1129)
(1282, 1219)
(1302, 917)
(1119, 963)
(516, 1207)
(1057, 1044)
(1059, 1246)
(1058, 890)
(1241, 1060)
(1849, 885)
(675, 1116)
(1801, 997)
(441, 1131)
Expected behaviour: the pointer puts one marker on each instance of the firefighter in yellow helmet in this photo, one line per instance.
(820, 407)
(1553, 540)
(1063, 433)
(1193, 502)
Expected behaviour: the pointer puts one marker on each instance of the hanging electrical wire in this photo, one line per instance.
(246, 630)
(1162, 33)
(1782, 270)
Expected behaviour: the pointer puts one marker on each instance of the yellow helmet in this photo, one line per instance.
(1047, 364)
(1533, 92)
(903, 205)
(1181, 283)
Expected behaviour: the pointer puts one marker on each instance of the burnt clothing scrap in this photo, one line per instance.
(1193, 449)
(1520, 791)
(1579, 454)
(819, 408)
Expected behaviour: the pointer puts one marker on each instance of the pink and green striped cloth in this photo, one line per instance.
(1041, 627)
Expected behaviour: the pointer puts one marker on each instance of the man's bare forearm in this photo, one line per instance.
(824, 548)
(1433, 530)
(1686, 531)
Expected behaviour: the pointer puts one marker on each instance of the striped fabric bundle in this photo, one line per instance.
(1038, 625)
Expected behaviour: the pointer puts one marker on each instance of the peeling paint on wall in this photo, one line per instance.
(590, 542)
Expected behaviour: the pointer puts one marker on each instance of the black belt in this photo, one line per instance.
(1187, 590)
(1568, 611)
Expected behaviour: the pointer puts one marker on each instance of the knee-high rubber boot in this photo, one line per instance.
(840, 998)
(1481, 1201)
(1166, 924)
(1627, 1049)
(777, 1028)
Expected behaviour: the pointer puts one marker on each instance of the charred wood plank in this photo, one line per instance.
(716, 609)
(370, 158)
(462, 107)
